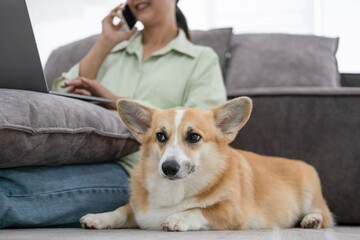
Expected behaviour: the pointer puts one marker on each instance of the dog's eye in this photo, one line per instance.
(193, 138)
(161, 137)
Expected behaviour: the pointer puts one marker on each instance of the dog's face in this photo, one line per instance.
(177, 142)
(180, 140)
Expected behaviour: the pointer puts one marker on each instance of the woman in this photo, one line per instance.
(158, 66)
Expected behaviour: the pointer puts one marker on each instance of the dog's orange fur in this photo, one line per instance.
(244, 190)
(263, 187)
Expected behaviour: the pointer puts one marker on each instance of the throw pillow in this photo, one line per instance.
(282, 60)
(48, 130)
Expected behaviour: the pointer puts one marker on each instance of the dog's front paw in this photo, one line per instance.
(185, 221)
(175, 224)
(312, 220)
(95, 221)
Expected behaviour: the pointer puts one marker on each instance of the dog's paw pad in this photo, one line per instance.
(92, 221)
(173, 224)
(311, 221)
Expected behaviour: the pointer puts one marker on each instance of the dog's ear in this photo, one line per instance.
(137, 117)
(232, 116)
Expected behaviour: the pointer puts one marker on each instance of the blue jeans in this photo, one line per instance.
(59, 196)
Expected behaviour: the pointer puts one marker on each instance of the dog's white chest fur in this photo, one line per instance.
(165, 198)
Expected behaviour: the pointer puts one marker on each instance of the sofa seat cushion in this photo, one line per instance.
(43, 129)
(282, 60)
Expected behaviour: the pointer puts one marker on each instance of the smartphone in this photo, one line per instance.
(128, 18)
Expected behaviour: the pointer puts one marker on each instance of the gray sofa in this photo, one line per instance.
(303, 108)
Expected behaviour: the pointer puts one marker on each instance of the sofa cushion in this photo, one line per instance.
(42, 129)
(219, 40)
(282, 60)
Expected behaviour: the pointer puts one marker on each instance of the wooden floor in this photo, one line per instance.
(337, 233)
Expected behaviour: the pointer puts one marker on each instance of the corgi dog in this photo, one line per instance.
(189, 178)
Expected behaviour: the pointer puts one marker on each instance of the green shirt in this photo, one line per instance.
(179, 75)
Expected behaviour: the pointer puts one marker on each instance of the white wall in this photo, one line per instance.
(342, 18)
(246, 16)
(58, 22)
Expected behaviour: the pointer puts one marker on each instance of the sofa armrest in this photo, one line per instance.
(350, 79)
(321, 128)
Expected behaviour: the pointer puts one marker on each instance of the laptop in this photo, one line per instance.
(20, 65)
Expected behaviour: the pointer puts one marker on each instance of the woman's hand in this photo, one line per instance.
(111, 33)
(87, 87)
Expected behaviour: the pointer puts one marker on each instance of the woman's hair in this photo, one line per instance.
(181, 22)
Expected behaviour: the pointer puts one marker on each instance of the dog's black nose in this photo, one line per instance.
(170, 168)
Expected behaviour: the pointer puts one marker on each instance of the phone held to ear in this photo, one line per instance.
(128, 18)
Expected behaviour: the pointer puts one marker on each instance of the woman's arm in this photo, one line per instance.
(90, 64)
(80, 79)
(111, 35)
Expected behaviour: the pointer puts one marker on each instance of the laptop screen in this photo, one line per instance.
(20, 65)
